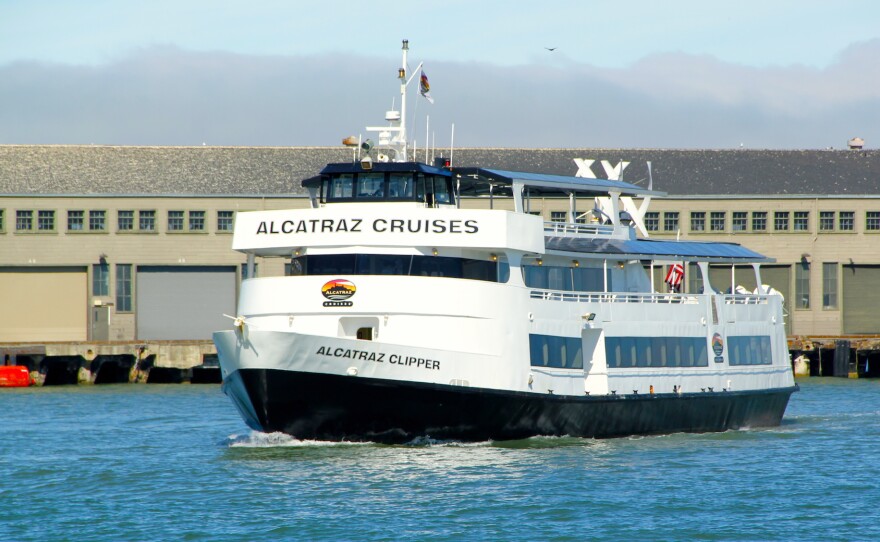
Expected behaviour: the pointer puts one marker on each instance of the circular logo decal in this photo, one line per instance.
(338, 289)
(717, 344)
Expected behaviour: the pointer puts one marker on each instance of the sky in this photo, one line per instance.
(686, 74)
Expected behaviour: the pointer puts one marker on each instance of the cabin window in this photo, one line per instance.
(556, 352)
(400, 186)
(371, 186)
(626, 352)
(341, 186)
(365, 333)
(578, 279)
(394, 264)
(749, 350)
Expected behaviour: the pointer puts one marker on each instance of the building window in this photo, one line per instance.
(780, 221)
(197, 221)
(739, 221)
(175, 220)
(101, 279)
(872, 220)
(45, 220)
(759, 221)
(802, 284)
(670, 221)
(826, 220)
(147, 220)
(75, 220)
(1, 220)
(829, 285)
(97, 220)
(24, 220)
(801, 221)
(847, 220)
(125, 220)
(717, 220)
(652, 221)
(698, 221)
(224, 220)
(123, 287)
(557, 216)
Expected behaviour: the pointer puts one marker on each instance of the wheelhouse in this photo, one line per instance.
(382, 182)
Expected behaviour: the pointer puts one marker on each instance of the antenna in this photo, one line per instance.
(452, 145)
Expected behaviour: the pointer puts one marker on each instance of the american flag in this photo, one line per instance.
(674, 276)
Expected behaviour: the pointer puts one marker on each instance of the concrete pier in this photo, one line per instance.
(154, 362)
(849, 356)
(175, 362)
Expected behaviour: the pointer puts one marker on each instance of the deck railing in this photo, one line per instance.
(565, 229)
(633, 297)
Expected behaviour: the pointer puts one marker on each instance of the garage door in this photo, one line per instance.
(183, 303)
(861, 299)
(43, 304)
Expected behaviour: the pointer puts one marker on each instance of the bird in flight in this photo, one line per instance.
(551, 49)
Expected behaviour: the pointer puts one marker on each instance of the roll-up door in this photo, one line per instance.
(183, 303)
(43, 304)
(861, 299)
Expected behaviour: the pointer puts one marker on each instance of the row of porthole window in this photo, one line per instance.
(96, 220)
(760, 221)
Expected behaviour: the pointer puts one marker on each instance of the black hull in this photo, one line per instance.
(328, 407)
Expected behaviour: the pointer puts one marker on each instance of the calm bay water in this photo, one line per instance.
(146, 462)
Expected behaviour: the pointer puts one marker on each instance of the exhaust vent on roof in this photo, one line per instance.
(856, 143)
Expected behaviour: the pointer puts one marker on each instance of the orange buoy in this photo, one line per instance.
(14, 376)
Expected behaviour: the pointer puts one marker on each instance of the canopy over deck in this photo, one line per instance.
(647, 249)
(476, 181)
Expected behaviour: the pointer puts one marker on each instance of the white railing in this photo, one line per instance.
(745, 299)
(634, 297)
(620, 297)
(572, 229)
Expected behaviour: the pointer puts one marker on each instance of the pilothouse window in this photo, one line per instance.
(341, 186)
(370, 185)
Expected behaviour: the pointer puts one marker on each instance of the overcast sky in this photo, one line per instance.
(639, 74)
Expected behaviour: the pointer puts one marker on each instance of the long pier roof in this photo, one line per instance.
(113, 170)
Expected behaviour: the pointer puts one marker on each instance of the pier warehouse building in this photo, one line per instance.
(102, 243)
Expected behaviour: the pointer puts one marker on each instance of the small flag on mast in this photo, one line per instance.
(674, 277)
(425, 87)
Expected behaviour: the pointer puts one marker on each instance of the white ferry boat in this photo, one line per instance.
(405, 314)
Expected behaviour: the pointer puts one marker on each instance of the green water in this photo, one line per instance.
(150, 462)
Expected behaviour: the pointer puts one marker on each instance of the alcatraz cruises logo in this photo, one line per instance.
(718, 347)
(338, 291)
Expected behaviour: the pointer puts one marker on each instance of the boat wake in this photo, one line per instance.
(256, 439)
